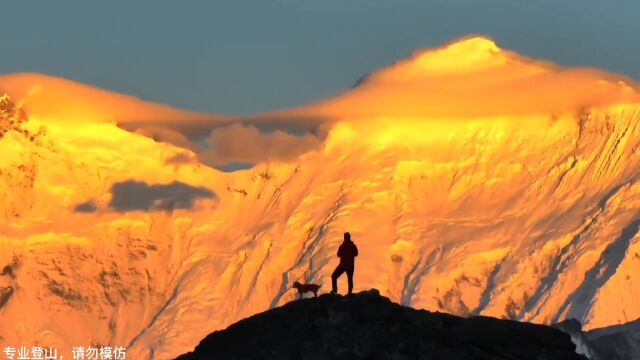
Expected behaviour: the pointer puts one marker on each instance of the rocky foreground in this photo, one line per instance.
(369, 326)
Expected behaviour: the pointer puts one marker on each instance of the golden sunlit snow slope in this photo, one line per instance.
(471, 78)
(473, 181)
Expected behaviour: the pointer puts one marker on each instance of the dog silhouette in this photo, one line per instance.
(303, 288)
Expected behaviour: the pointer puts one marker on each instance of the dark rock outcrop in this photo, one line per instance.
(369, 326)
(574, 328)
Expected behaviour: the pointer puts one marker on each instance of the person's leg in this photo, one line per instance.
(350, 279)
(334, 278)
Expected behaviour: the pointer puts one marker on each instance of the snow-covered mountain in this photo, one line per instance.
(472, 179)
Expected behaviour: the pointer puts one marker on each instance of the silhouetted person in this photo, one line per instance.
(347, 253)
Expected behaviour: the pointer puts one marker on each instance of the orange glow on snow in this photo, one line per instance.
(472, 78)
(474, 181)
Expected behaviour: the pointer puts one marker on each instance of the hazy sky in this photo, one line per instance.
(239, 57)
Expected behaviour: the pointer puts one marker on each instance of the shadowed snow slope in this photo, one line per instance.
(369, 326)
(620, 342)
(474, 181)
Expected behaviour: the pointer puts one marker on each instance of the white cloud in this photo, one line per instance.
(246, 144)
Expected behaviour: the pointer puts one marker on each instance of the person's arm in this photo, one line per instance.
(355, 250)
(340, 250)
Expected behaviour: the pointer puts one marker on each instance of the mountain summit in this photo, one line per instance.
(468, 79)
(369, 326)
(464, 55)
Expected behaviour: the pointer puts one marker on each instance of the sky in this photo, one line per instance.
(243, 57)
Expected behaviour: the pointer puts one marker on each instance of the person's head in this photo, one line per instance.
(347, 236)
